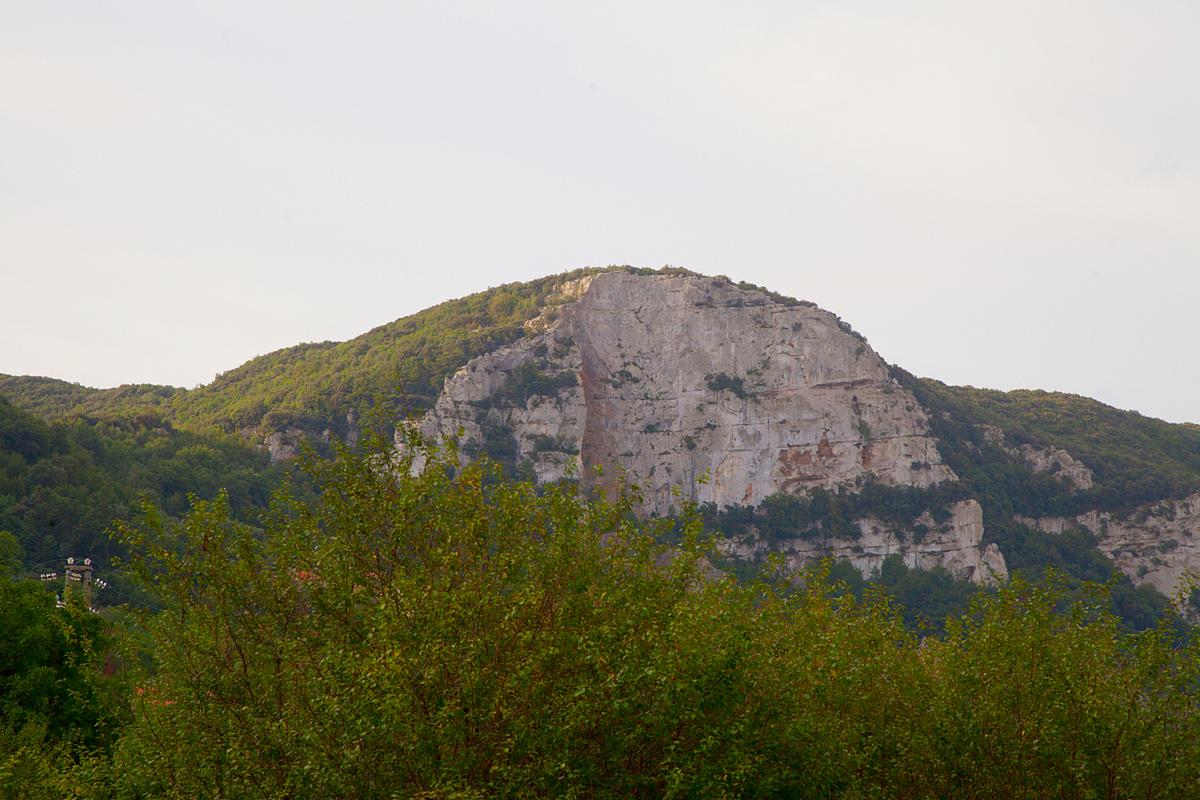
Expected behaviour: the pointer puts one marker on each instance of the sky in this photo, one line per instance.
(996, 194)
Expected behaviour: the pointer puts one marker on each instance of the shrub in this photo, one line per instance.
(724, 382)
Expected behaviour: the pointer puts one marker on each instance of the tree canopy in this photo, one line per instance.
(455, 634)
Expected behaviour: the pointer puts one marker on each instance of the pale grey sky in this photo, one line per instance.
(1005, 194)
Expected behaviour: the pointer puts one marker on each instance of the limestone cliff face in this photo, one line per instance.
(693, 383)
(956, 544)
(286, 444)
(283, 445)
(1158, 544)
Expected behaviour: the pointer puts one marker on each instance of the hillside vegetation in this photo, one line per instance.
(389, 372)
(398, 368)
(1135, 459)
(64, 483)
(115, 445)
(351, 631)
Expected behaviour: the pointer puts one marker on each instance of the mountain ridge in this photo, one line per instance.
(1020, 457)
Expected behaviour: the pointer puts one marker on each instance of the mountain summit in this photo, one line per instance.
(673, 377)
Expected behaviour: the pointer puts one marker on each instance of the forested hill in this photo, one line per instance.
(398, 367)
(1133, 459)
(74, 458)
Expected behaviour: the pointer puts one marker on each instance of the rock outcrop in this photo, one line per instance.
(956, 544)
(284, 445)
(1053, 460)
(1159, 544)
(687, 383)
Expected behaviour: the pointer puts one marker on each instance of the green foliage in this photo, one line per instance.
(1135, 459)
(500, 446)
(1074, 557)
(456, 634)
(54, 399)
(63, 695)
(927, 598)
(449, 634)
(1034, 703)
(63, 484)
(529, 380)
(723, 382)
(825, 513)
(397, 369)
(49, 666)
(10, 555)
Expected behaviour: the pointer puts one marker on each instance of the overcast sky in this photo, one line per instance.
(1005, 194)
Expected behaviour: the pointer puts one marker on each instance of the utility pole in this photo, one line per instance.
(78, 578)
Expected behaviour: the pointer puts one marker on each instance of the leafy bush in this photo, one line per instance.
(724, 382)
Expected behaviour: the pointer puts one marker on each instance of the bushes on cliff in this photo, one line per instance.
(821, 512)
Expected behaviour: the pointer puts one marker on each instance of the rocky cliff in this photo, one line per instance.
(688, 384)
(1158, 544)
(673, 377)
(955, 544)
(728, 395)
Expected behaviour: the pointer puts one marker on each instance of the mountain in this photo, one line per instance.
(723, 395)
(790, 431)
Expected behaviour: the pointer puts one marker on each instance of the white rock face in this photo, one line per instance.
(1159, 544)
(690, 383)
(1059, 462)
(687, 384)
(284, 445)
(956, 544)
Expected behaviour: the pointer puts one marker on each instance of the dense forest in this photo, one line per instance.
(63, 484)
(455, 634)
